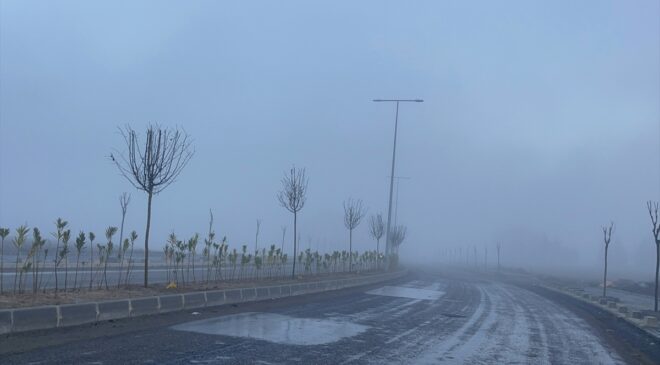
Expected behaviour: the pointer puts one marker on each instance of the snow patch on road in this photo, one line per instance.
(276, 328)
(405, 292)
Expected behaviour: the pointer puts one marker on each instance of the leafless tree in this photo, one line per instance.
(353, 214)
(283, 237)
(499, 246)
(256, 237)
(152, 167)
(607, 236)
(653, 212)
(377, 229)
(293, 197)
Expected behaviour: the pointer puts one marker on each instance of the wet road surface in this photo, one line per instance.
(423, 319)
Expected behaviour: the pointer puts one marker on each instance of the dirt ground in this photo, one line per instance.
(9, 300)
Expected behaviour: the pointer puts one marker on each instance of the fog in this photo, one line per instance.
(540, 122)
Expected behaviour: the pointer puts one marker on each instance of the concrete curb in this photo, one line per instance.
(65, 315)
(613, 306)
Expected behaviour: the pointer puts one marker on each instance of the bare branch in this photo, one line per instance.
(376, 226)
(294, 190)
(353, 213)
(153, 168)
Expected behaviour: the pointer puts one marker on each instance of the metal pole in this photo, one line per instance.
(389, 208)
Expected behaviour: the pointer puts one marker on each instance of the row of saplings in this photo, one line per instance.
(33, 263)
(223, 264)
(220, 262)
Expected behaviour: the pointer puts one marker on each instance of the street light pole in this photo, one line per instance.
(396, 199)
(396, 126)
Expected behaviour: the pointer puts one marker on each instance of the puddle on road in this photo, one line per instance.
(404, 292)
(275, 328)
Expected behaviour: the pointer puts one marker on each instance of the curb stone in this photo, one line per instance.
(65, 315)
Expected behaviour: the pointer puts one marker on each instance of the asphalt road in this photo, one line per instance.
(450, 318)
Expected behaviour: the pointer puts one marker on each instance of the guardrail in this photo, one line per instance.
(66, 315)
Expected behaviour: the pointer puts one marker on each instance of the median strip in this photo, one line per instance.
(64, 315)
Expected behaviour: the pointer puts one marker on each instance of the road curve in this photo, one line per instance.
(453, 319)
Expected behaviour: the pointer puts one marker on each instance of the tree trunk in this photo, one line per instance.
(605, 275)
(57, 252)
(91, 264)
(657, 266)
(75, 280)
(146, 242)
(350, 250)
(378, 253)
(121, 243)
(295, 228)
(2, 259)
(66, 270)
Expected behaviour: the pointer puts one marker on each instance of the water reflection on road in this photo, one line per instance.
(276, 328)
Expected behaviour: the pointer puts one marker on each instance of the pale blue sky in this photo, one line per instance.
(541, 118)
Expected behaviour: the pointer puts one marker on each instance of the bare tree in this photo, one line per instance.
(154, 166)
(293, 197)
(256, 236)
(607, 236)
(499, 246)
(353, 214)
(377, 229)
(653, 212)
(283, 237)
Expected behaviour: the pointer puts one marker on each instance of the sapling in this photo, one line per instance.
(41, 275)
(37, 243)
(232, 260)
(64, 254)
(109, 232)
(133, 238)
(192, 250)
(4, 232)
(179, 257)
(19, 240)
(122, 254)
(124, 200)
(92, 236)
(102, 252)
(166, 253)
(80, 243)
(60, 224)
(208, 244)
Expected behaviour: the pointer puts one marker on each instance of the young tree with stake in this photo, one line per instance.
(91, 259)
(152, 167)
(256, 236)
(19, 240)
(124, 200)
(80, 243)
(353, 214)
(60, 224)
(293, 197)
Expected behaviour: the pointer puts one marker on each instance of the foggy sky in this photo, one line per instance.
(540, 120)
